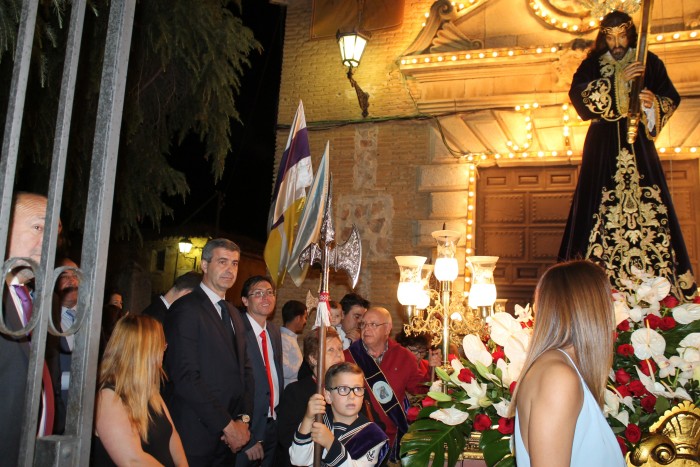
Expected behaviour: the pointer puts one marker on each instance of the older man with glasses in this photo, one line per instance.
(390, 371)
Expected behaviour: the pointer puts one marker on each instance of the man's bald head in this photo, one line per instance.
(27, 226)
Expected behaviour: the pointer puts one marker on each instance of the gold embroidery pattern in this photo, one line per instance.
(597, 98)
(631, 230)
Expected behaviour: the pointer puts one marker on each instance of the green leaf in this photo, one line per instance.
(496, 447)
(428, 436)
(661, 406)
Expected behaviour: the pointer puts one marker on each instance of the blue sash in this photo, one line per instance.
(364, 438)
(381, 391)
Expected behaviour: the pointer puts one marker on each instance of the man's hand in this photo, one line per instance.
(633, 70)
(236, 435)
(256, 453)
(322, 435)
(646, 97)
(353, 334)
(435, 357)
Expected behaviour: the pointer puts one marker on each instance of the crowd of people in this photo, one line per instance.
(192, 380)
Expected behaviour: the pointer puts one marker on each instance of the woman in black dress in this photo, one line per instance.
(132, 423)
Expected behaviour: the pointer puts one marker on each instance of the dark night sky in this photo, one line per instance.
(247, 180)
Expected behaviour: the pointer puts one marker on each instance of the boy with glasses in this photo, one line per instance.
(348, 438)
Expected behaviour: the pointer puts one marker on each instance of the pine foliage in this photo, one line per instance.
(186, 61)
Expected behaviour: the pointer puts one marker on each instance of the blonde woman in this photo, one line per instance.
(132, 424)
(558, 399)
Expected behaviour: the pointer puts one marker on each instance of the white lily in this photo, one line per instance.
(502, 407)
(658, 389)
(524, 314)
(666, 367)
(686, 313)
(450, 416)
(653, 290)
(647, 343)
(510, 371)
(637, 313)
(475, 350)
(477, 393)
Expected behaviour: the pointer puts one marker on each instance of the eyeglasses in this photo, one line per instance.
(418, 350)
(371, 325)
(262, 293)
(345, 390)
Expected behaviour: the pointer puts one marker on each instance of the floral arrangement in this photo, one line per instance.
(656, 365)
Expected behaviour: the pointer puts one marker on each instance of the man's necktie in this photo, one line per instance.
(263, 336)
(228, 323)
(47, 410)
(67, 320)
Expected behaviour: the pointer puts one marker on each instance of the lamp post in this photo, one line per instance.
(184, 246)
(446, 271)
(352, 45)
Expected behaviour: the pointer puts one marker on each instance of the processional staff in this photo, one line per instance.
(346, 257)
(634, 110)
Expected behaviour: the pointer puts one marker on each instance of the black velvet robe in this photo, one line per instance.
(621, 215)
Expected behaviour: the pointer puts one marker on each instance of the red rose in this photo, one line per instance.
(482, 422)
(526, 325)
(696, 299)
(412, 413)
(451, 357)
(625, 350)
(667, 323)
(624, 326)
(624, 391)
(428, 401)
(623, 445)
(648, 367)
(637, 388)
(498, 354)
(633, 433)
(511, 388)
(465, 375)
(652, 321)
(669, 302)
(506, 425)
(622, 377)
(648, 403)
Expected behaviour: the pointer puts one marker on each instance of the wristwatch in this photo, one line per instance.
(244, 417)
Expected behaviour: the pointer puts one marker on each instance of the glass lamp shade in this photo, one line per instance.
(424, 295)
(184, 245)
(352, 45)
(446, 267)
(410, 285)
(483, 288)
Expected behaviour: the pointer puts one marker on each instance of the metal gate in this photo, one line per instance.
(73, 447)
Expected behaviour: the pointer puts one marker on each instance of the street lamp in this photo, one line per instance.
(352, 45)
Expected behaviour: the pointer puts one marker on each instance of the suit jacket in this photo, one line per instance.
(261, 402)
(156, 309)
(14, 365)
(210, 377)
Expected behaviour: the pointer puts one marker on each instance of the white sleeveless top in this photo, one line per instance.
(594, 442)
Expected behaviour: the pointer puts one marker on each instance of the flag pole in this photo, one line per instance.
(346, 257)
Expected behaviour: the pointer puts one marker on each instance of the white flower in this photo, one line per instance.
(658, 389)
(622, 311)
(653, 290)
(509, 371)
(524, 314)
(612, 407)
(477, 393)
(502, 407)
(686, 313)
(689, 348)
(637, 313)
(475, 350)
(647, 343)
(507, 332)
(436, 386)
(450, 416)
(666, 367)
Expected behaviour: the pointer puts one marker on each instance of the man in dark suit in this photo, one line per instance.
(183, 285)
(264, 346)
(210, 390)
(25, 238)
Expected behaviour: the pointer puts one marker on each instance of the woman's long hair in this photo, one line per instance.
(574, 307)
(133, 365)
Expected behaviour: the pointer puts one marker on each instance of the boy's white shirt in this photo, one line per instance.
(303, 454)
